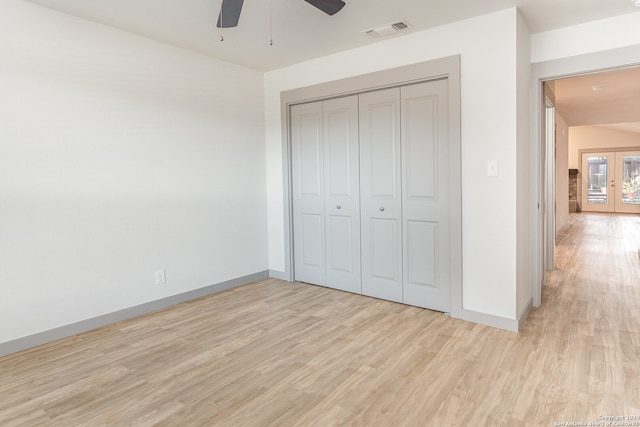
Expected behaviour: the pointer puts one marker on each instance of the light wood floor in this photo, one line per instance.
(277, 353)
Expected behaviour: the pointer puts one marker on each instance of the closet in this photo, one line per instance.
(370, 193)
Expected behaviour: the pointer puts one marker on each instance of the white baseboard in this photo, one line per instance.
(525, 313)
(490, 320)
(281, 275)
(40, 338)
(512, 325)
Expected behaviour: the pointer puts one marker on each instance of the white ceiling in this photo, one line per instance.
(301, 32)
(614, 103)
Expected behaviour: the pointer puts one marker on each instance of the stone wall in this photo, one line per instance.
(573, 191)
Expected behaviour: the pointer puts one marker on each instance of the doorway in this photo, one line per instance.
(603, 140)
(613, 115)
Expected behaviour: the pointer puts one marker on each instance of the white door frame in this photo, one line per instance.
(550, 187)
(449, 68)
(541, 72)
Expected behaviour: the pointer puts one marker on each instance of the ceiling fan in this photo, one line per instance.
(230, 10)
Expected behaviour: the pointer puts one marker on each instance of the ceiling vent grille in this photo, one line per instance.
(400, 26)
(387, 29)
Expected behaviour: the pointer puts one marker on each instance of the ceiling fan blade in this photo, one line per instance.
(330, 7)
(229, 13)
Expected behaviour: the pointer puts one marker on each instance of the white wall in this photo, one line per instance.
(606, 34)
(523, 175)
(562, 173)
(488, 66)
(120, 156)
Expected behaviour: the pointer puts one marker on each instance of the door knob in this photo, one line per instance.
(339, 207)
(382, 209)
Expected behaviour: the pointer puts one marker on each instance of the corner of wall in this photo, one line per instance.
(524, 178)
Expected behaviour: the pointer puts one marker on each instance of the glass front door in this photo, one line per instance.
(611, 182)
(628, 180)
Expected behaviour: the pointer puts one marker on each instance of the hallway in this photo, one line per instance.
(590, 313)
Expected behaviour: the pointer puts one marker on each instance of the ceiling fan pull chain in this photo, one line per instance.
(221, 9)
(270, 25)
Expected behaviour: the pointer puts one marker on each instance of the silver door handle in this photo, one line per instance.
(382, 209)
(339, 207)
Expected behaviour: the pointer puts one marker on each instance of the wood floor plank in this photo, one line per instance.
(291, 354)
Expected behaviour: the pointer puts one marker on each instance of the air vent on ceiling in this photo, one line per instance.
(387, 29)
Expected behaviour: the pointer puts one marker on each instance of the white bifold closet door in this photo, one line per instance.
(370, 182)
(426, 195)
(325, 186)
(405, 194)
(380, 192)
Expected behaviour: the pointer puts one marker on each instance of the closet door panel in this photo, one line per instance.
(307, 153)
(422, 252)
(425, 183)
(342, 198)
(380, 163)
(383, 235)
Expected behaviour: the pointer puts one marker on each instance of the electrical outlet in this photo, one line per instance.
(161, 277)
